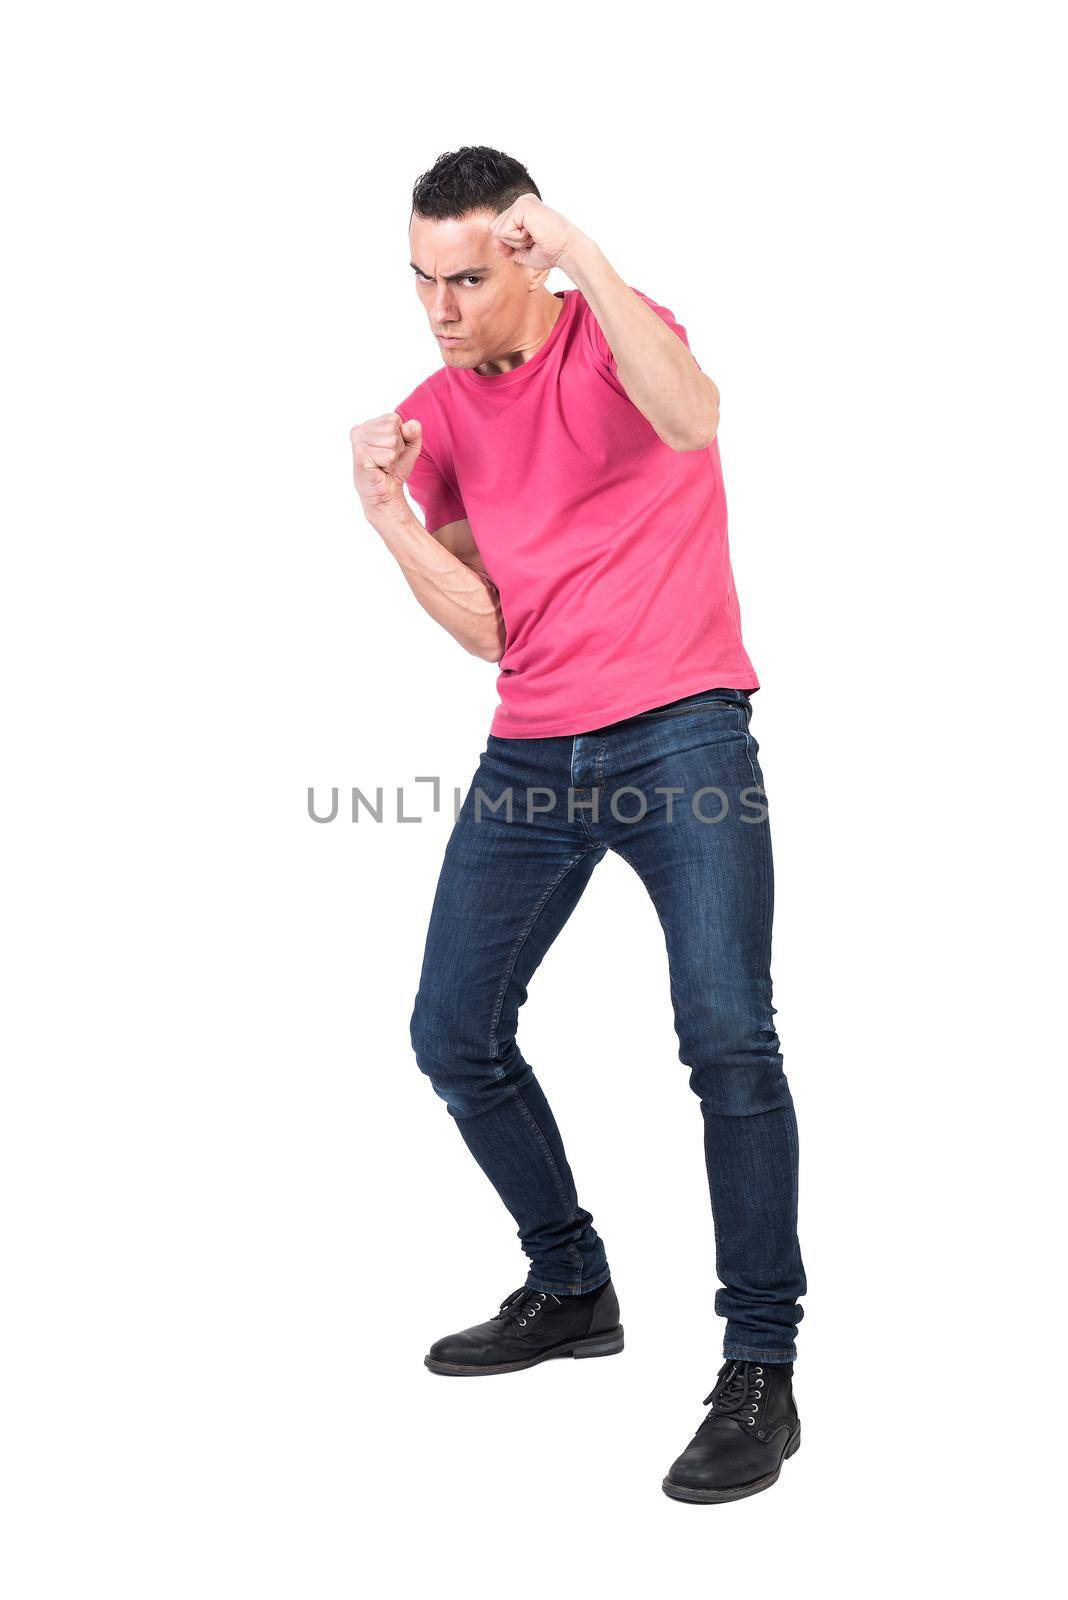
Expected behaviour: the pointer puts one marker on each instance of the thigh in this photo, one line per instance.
(702, 844)
(705, 859)
(702, 848)
(511, 875)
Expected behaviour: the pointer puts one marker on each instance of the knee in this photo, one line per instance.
(740, 1089)
(434, 1034)
(734, 1060)
(447, 1049)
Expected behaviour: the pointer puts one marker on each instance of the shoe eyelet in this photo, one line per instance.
(543, 1297)
(750, 1420)
(760, 1383)
(522, 1322)
(760, 1369)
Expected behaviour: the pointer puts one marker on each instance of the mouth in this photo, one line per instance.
(450, 338)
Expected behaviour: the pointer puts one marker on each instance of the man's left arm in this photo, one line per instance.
(653, 364)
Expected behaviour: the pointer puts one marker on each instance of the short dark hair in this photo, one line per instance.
(473, 178)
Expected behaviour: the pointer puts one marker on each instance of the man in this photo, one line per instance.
(575, 531)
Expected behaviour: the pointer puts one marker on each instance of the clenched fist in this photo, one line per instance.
(533, 235)
(384, 451)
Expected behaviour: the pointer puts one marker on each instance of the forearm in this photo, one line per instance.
(460, 599)
(655, 368)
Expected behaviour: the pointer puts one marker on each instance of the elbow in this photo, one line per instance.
(488, 649)
(701, 435)
(702, 424)
(708, 433)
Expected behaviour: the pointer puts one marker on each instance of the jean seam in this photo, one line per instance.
(574, 789)
(765, 884)
(715, 1228)
(550, 1158)
(744, 720)
(521, 940)
(597, 791)
(663, 926)
(568, 1288)
(745, 1352)
(682, 711)
(499, 1068)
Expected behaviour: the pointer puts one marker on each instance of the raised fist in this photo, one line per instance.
(531, 234)
(384, 451)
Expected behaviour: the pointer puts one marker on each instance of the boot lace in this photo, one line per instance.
(523, 1305)
(738, 1393)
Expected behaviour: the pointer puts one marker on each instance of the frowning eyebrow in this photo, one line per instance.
(450, 277)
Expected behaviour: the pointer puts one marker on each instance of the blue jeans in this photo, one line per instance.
(537, 818)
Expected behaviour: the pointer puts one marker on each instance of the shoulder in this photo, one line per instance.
(584, 312)
(429, 404)
(584, 309)
(594, 338)
(662, 312)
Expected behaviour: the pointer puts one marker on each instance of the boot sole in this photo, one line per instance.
(608, 1343)
(681, 1491)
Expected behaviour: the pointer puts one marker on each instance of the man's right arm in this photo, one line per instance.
(443, 569)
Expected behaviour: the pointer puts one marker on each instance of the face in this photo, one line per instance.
(472, 295)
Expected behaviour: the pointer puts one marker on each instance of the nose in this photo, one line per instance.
(443, 308)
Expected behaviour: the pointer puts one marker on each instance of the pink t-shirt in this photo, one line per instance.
(608, 548)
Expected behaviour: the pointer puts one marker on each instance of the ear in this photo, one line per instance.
(537, 276)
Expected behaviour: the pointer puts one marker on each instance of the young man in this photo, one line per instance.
(575, 531)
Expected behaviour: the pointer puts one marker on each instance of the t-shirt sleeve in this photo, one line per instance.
(602, 350)
(432, 488)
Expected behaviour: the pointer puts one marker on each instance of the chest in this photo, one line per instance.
(567, 439)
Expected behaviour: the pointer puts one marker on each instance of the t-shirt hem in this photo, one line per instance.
(746, 681)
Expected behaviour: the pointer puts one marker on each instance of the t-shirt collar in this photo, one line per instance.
(494, 380)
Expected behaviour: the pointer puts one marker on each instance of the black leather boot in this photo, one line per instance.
(531, 1326)
(741, 1445)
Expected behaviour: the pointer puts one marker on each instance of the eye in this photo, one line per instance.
(471, 278)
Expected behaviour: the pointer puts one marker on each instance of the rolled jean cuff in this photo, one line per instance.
(545, 1287)
(774, 1358)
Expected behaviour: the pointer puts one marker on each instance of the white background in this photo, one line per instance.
(234, 1213)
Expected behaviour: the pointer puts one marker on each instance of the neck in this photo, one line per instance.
(539, 325)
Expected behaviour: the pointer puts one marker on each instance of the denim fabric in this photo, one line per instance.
(506, 889)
